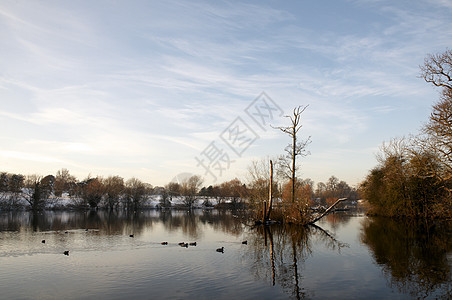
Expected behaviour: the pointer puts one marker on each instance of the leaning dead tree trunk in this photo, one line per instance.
(326, 211)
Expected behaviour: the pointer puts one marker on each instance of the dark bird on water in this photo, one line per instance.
(220, 249)
(131, 235)
(43, 241)
(66, 252)
(184, 245)
(245, 242)
(193, 244)
(164, 243)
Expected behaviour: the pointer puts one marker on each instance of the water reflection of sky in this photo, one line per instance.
(337, 260)
(345, 271)
(105, 262)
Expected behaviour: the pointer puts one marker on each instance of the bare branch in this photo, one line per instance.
(327, 211)
(437, 69)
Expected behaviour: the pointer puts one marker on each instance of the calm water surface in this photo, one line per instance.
(346, 257)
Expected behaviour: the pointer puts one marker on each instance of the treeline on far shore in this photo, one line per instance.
(64, 190)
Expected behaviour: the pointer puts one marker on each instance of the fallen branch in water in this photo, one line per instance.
(326, 211)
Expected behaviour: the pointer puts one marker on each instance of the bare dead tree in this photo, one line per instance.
(270, 191)
(296, 148)
(268, 210)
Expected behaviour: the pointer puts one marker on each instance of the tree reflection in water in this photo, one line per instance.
(280, 251)
(122, 222)
(413, 256)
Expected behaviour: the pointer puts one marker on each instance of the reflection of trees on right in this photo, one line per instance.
(279, 252)
(413, 256)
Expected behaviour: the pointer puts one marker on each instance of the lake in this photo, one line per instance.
(119, 255)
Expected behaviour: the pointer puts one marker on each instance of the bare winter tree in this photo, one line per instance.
(92, 191)
(15, 186)
(258, 186)
(437, 69)
(36, 191)
(190, 188)
(63, 182)
(135, 193)
(173, 189)
(11, 186)
(113, 188)
(294, 149)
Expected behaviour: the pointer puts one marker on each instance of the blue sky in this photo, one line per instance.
(143, 88)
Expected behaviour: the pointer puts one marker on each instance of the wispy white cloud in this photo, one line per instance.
(29, 156)
(95, 87)
(442, 3)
